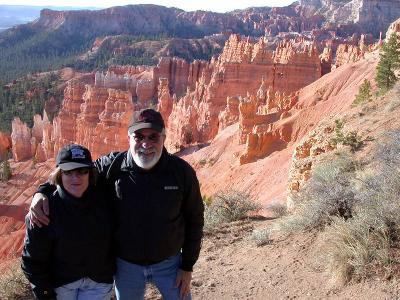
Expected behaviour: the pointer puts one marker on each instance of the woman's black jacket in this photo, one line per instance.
(76, 244)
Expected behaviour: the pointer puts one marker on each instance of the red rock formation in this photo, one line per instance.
(143, 81)
(5, 145)
(238, 70)
(111, 133)
(165, 101)
(258, 145)
(64, 125)
(230, 115)
(21, 140)
(37, 129)
(348, 53)
(15, 198)
(326, 60)
(257, 124)
(46, 148)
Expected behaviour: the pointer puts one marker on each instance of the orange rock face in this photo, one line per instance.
(5, 144)
(96, 117)
(21, 140)
(64, 125)
(230, 114)
(326, 60)
(165, 101)
(240, 69)
(348, 53)
(258, 124)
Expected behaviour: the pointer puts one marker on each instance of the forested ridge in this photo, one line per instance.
(26, 97)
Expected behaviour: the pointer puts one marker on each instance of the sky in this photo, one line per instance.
(188, 5)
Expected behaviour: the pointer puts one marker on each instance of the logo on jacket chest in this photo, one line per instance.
(171, 187)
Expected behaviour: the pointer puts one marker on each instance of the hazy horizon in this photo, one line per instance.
(211, 5)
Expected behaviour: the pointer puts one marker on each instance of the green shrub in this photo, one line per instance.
(229, 206)
(6, 172)
(364, 93)
(389, 62)
(351, 139)
(212, 161)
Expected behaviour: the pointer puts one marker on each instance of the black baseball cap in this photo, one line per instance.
(146, 118)
(74, 156)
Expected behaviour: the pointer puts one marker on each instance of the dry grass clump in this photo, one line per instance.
(14, 285)
(327, 193)
(261, 236)
(278, 210)
(352, 247)
(229, 206)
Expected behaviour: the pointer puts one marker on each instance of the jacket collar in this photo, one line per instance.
(68, 198)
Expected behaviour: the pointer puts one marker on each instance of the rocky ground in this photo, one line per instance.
(231, 266)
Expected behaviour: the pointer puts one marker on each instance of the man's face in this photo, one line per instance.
(146, 147)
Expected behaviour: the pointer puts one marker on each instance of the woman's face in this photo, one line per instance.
(75, 181)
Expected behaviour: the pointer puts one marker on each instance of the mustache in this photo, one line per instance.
(146, 151)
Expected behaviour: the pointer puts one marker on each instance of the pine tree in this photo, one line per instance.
(364, 93)
(388, 63)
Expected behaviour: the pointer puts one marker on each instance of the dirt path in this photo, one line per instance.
(231, 266)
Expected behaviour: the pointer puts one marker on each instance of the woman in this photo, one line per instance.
(71, 258)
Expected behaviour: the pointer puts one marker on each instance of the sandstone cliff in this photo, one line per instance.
(239, 70)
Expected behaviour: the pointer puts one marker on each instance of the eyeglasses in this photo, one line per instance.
(77, 172)
(153, 138)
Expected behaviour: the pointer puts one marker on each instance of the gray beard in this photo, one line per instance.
(144, 163)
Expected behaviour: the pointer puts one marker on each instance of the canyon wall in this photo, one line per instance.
(239, 70)
(197, 100)
(372, 16)
(96, 111)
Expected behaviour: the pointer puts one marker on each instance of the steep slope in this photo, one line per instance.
(267, 178)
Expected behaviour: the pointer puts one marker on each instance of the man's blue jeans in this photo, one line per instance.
(84, 289)
(131, 279)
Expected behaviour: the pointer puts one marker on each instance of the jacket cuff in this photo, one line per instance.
(187, 266)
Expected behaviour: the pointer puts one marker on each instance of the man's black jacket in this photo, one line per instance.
(158, 212)
(76, 244)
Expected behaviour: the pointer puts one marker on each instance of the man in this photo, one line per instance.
(159, 212)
